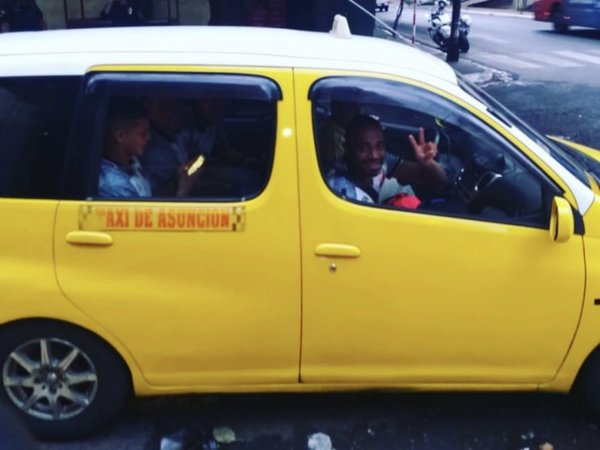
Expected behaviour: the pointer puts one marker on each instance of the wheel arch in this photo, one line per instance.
(592, 358)
(137, 382)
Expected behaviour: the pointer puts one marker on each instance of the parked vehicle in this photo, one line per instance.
(566, 13)
(439, 27)
(382, 6)
(265, 277)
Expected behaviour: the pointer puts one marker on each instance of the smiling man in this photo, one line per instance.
(368, 174)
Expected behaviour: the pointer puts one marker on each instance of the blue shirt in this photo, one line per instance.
(116, 181)
(378, 189)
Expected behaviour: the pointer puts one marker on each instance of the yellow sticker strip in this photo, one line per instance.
(142, 218)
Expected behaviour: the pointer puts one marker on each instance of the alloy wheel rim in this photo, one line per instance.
(50, 379)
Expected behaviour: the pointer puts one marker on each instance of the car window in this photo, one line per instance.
(35, 121)
(455, 165)
(205, 137)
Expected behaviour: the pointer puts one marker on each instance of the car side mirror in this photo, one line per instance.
(562, 222)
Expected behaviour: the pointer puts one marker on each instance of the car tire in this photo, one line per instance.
(558, 22)
(463, 44)
(586, 387)
(64, 382)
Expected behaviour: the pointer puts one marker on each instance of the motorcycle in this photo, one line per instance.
(438, 26)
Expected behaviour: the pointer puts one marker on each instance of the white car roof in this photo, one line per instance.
(72, 52)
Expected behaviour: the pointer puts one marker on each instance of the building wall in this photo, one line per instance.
(191, 12)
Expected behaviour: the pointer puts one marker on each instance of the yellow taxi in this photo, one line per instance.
(197, 209)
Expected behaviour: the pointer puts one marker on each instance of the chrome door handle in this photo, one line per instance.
(337, 250)
(89, 238)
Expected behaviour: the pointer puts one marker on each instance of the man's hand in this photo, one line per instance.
(424, 151)
(186, 182)
(424, 169)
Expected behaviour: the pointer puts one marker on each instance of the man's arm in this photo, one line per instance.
(409, 172)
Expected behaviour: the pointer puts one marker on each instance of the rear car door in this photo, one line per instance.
(202, 289)
(36, 115)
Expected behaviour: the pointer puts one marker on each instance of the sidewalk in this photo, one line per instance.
(474, 72)
(497, 12)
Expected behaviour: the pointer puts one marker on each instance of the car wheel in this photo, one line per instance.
(586, 386)
(463, 43)
(64, 381)
(558, 22)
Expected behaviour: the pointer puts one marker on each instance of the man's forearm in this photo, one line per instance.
(430, 172)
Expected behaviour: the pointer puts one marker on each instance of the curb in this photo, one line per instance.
(477, 73)
(499, 13)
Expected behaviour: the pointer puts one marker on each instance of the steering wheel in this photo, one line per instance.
(476, 185)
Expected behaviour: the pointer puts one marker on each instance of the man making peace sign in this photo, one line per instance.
(367, 174)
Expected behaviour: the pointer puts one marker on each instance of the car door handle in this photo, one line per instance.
(339, 250)
(89, 238)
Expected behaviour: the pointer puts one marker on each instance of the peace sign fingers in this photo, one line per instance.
(421, 136)
(424, 151)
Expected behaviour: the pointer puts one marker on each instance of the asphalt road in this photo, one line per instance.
(550, 80)
(516, 43)
(367, 421)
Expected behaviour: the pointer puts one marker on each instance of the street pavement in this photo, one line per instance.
(360, 421)
(550, 80)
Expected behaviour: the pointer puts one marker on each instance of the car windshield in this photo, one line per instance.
(565, 158)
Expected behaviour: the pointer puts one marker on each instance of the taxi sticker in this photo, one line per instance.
(143, 218)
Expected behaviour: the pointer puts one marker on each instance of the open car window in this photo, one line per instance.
(486, 177)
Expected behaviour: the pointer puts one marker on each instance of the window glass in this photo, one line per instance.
(182, 136)
(397, 146)
(35, 121)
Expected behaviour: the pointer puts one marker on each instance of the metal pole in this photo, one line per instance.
(378, 20)
(414, 30)
(453, 45)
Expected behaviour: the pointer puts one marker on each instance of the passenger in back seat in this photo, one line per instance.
(128, 132)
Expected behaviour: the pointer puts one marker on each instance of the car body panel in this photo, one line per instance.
(587, 333)
(593, 152)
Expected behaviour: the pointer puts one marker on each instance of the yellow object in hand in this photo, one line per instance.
(193, 167)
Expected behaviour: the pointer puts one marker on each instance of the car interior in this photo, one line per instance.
(486, 179)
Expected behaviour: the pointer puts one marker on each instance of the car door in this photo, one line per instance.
(582, 12)
(202, 289)
(36, 116)
(468, 288)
